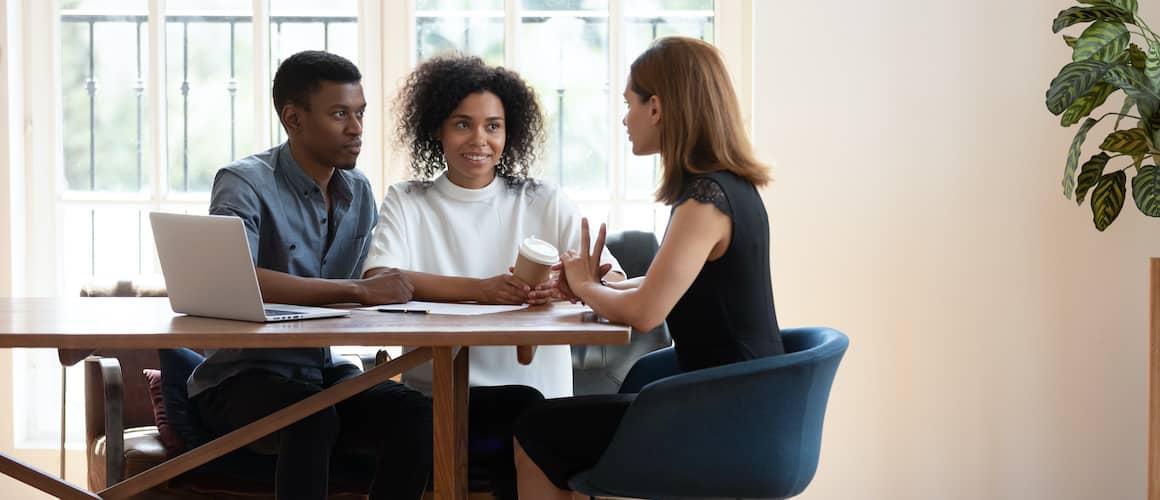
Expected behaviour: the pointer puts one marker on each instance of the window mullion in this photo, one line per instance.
(617, 74)
(263, 125)
(398, 52)
(155, 90)
(736, 46)
(511, 25)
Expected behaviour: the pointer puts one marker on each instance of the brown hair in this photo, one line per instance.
(700, 126)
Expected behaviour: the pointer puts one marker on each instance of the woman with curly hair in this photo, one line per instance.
(454, 230)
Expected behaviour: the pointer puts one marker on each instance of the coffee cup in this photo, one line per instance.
(534, 261)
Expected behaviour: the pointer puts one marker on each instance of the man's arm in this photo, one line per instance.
(386, 287)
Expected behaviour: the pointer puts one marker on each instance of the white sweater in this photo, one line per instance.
(444, 229)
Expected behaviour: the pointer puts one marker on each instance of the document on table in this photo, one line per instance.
(451, 308)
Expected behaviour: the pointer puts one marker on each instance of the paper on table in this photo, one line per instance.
(451, 308)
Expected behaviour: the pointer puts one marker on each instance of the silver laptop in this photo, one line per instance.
(209, 272)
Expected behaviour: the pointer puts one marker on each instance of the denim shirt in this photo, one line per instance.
(287, 225)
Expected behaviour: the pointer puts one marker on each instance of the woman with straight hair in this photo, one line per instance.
(711, 277)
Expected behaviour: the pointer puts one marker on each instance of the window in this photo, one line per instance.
(576, 54)
(150, 97)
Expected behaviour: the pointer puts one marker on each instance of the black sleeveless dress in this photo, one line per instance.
(725, 316)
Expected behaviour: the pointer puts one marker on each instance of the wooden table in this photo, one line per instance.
(148, 323)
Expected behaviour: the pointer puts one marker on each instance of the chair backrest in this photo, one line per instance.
(599, 369)
(137, 406)
(744, 430)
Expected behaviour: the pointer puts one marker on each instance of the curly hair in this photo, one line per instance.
(436, 88)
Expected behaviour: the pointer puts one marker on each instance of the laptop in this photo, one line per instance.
(209, 272)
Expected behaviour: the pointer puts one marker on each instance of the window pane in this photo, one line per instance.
(479, 35)
(106, 241)
(653, 6)
(107, 5)
(694, 19)
(565, 57)
(597, 5)
(459, 5)
(297, 25)
(103, 67)
(209, 91)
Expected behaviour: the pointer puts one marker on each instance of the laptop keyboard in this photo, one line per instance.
(280, 312)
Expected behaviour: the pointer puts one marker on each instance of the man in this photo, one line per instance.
(308, 216)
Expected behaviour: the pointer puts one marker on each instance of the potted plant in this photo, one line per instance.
(1117, 51)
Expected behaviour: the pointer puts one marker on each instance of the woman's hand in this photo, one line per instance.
(502, 289)
(583, 269)
(562, 288)
(544, 292)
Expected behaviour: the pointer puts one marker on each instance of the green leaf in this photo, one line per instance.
(1073, 81)
(1129, 6)
(1104, 12)
(1084, 105)
(1129, 103)
(1150, 119)
(1146, 190)
(1102, 40)
(1089, 174)
(1069, 40)
(1152, 65)
(1108, 199)
(1131, 80)
(1137, 57)
(1073, 156)
(1130, 142)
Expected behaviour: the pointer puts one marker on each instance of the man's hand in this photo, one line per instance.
(385, 286)
(502, 289)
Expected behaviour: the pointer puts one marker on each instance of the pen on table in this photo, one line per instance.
(410, 311)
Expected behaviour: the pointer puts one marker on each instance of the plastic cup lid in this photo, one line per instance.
(540, 251)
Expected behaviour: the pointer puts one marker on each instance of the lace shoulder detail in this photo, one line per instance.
(707, 190)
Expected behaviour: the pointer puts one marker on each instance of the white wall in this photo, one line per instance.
(998, 341)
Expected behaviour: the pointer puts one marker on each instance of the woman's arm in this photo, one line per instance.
(696, 231)
(501, 289)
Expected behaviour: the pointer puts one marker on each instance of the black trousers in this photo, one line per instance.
(390, 422)
(491, 421)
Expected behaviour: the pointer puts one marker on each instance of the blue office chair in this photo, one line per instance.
(746, 430)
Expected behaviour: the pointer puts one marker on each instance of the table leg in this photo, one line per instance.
(41, 480)
(450, 392)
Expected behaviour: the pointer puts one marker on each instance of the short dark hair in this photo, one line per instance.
(437, 87)
(301, 74)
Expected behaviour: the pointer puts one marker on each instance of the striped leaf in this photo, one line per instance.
(1072, 82)
(1129, 6)
(1102, 40)
(1069, 40)
(1133, 141)
(1108, 199)
(1150, 119)
(1073, 156)
(1130, 79)
(1089, 175)
(1086, 14)
(1129, 103)
(1136, 56)
(1146, 190)
(1084, 105)
(1152, 65)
